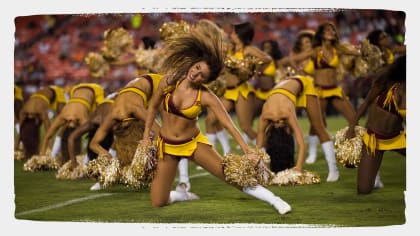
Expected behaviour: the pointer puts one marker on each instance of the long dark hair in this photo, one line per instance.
(281, 149)
(297, 47)
(318, 37)
(275, 49)
(245, 32)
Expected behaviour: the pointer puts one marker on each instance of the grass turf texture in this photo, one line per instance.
(39, 196)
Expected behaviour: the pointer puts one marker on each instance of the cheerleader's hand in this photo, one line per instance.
(298, 168)
(252, 155)
(350, 133)
(107, 155)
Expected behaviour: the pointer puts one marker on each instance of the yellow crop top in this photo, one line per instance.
(309, 67)
(97, 90)
(322, 64)
(191, 112)
(270, 70)
(18, 93)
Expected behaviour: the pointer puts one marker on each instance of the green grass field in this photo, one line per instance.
(39, 196)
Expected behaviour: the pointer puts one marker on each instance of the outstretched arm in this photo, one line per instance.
(57, 123)
(300, 140)
(370, 97)
(212, 101)
(152, 110)
(263, 123)
(100, 134)
(86, 127)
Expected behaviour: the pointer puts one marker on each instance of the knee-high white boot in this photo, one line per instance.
(184, 180)
(267, 196)
(313, 141)
(329, 153)
(224, 140)
(56, 146)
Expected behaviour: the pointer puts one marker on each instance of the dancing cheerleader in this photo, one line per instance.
(83, 100)
(278, 119)
(126, 120)
(90, 127)
(35, 113)
(385, 124)
(191, 61)
(241, 64)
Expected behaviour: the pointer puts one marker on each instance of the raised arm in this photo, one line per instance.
(292, 59)
(258, 53)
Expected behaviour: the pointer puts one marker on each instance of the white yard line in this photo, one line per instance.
(66, 203)
(77, 200)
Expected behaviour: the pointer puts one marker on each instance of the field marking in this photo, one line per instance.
(66, 203)
(77, 200)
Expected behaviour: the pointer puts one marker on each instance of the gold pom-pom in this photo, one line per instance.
(218, 86)
(19, 155)
(247, 172)
(149, 59)
(41, 162)
(116, 42)
(97, 65)
(141, 171)
(372, 55)
(244, 68)
(173, 29)
(106, 170)
(80, 171)
(127, 133)
(293, 177)
(349, 151)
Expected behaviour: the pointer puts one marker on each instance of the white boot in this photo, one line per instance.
(56, 146)
(266, 195)
(378, 182)
(97, 186)
(86, 160)
(184, 180)
(313, 141)
(329, 153)
(176, 196)
(113, 152)
(17, 127)
(224, 140)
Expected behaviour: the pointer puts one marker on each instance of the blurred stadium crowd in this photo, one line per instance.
(50, 49)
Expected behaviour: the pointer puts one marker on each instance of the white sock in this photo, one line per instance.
(329, 153)
(175, 196)
(17, 127)
(245, 136)
(261, 193)
(254, 142)
(183, 171)
(313, 141)
(212, 138)
(86, 160)
(113, 152)
(224, 140)
(56, 146)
